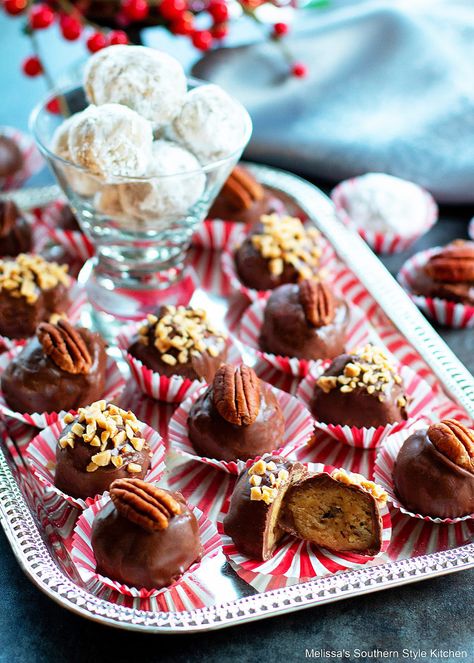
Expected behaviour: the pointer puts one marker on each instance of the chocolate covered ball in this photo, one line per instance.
(180, 341)
(145, 536)
(304, 320)
(102, 443)
(11, 158)
(66, 219)
(16, 234)
(434, 471)
(238, 417)
(31, 291)
(278, 250)
(361, 389)
(61, 368)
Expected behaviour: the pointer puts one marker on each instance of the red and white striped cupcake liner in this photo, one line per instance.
(298, 429)
(114, 383)
(83, 558)
(385, 462)
(387, 242)
(359, 333)
(162, 388)
(77, 298)
(41, 456)
(74, 241)
(442, 311)
(422, 397)
(33, 162)
(294, 560)
(216, 234)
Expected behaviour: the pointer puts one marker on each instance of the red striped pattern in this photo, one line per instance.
(216, 234)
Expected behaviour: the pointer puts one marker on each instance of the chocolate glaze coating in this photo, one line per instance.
(425, 286)
(126, 552)
(18, 319)
(252, 267)
(11, 158)
(32, 382)
(253, 525)
(214, 437)
(67, 220)
(72, 478)
(427, 482)
(16, 235)
(286, 331)
(272, 202)
(357, 408)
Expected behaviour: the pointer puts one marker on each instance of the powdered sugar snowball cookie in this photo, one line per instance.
(168, 196)
(211, 124)
(107, 201)
(111, 140)
(82, 183)
(146, 80)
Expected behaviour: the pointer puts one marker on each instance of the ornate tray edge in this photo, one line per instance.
(35, 559)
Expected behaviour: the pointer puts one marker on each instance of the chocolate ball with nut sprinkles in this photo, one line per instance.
(62, 368)
(362, 389)
(278, 250)
(98, 445)
(31, 291)
(180, 341)
(238, 417)
(145, 536)
(16, 233)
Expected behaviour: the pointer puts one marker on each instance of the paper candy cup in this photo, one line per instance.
(294, 560)
(298, 429)
(443, 311)
(74, 241)
(32, 159)
(422, 396)
(77, 298)
(358, 333)
(383, 474)
(41, 455)
(216, 234)
(172, 389)
(236, 285)
(83, 555)
(114, 383)
(387, 242)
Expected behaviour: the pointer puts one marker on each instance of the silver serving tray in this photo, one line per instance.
(239, 603)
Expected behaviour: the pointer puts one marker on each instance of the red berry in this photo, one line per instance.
(202, 39)
(184, 25)
(135, 10)
(53, 106)
(280, 29)
(71, 28)
(14, 7)
(117, 37)
(219, 11)
(41, 16)
(172, 9)
(220, 31)
(32, 66)
(299, 69)
(96, 42)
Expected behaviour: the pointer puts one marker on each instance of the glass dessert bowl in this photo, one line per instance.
(141, 227)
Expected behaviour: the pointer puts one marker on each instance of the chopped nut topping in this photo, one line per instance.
(134, 468)
(27, 275)
(285, 241)
(264, 482)
(353, 479)
(180, 333)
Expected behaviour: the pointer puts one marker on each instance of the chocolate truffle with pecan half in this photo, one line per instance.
(252, 521)
(278, 250)
(145, 536)
(238, 417)
(16, 234)
(61, 368)
(434, 471)
(180, 341)
(304, 320)
(98, 445)
(362, 389)
(11, 158)
(449, 274)
(31, 291)
(339, 511)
